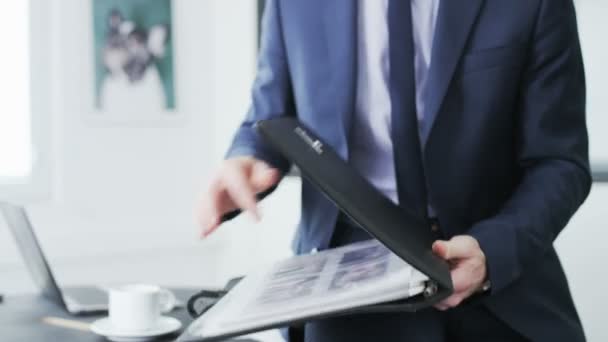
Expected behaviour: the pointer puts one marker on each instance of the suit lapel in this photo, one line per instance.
(340, 20)
(454, 23)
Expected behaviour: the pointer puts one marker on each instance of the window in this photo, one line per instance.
(15, 127)
(24, 99)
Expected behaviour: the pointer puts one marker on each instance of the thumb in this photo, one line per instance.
(440, 248)
(263, 176)
(456, 248)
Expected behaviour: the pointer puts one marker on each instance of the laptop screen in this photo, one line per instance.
(23, 232)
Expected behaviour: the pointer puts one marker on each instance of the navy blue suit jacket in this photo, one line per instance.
(505, 142)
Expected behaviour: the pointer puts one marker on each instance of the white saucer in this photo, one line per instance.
(166, 325)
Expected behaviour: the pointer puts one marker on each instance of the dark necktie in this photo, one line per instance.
(411, 184)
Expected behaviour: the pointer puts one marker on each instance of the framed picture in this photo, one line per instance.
(134, 67)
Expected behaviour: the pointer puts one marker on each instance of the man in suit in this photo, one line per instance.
(469, 112)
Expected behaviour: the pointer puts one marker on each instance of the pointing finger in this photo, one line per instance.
(210, 213)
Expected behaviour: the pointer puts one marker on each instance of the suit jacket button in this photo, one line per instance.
(435, 227)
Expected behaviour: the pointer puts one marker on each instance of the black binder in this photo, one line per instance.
(405, 234)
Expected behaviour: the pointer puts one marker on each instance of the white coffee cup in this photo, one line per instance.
(136, 308)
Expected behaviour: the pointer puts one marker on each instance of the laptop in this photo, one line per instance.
(75, 300)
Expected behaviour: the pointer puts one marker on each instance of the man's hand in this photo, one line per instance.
(468, 264)
(235, 187)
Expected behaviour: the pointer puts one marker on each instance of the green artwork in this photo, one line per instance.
(133, 55)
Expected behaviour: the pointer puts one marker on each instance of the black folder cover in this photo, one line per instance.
(405, 234)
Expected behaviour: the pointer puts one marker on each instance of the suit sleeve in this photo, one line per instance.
(552, 150)
(271, 93)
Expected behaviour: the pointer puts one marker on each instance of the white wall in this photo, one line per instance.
(593, 28)
(133, 181)
(583, 252)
